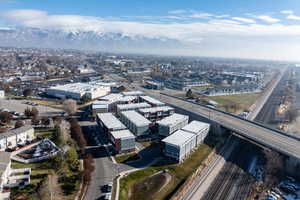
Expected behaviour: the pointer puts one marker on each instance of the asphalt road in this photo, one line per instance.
(105, 170)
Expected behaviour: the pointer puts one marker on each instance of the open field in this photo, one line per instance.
(241, 101)
(244, 99)
(179, 173)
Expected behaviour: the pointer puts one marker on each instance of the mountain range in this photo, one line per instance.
(84, 40)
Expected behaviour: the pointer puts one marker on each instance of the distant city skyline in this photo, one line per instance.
(253, 29)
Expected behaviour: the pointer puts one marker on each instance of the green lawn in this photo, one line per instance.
(179, 173)
(236, 99)
(126, 157)
(146, 144)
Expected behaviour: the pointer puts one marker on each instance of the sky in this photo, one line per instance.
(262, 29)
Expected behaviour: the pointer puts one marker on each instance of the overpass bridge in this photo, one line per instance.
(256, 132)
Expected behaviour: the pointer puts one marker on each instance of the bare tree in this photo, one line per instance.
(292, 115)
(19, 124)
(70, 106)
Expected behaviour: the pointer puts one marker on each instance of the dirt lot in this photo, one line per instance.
(149, 186)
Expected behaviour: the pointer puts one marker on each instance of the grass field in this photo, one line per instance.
(246, 99)
(126, 157)
(149, 185)
(179, 173)
(146, 144)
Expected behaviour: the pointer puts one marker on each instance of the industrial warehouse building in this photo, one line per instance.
(151, 101)
(200, 129)
(19, 136)
(169, 125)
(78, 90)
(179, 145)
(157, 113)
(123, 141)
(108, 122)
(132, 106)
(135, 122)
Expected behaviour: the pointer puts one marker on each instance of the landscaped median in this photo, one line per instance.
(129, 185)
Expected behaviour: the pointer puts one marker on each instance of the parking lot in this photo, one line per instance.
(20, 106)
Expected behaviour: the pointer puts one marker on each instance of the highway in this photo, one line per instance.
(256, 132)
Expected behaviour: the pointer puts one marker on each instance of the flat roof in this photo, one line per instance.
(156, 109)
(111, 97)
(133, 93)
(133, 106)
(16, 131)
(77, 87)
(179, 138)
(128, 98)
(152, 100)
(136, 118)
(100, 102)
(95, 106)
(173, 119)
(195, 126)
(110, 121)
(122, 134)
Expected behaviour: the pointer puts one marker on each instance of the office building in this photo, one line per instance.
(169, 125)
(135, 122)
(108, 122)
(179, 145)
(157, 113)
(123, 141)
(132, 106)
(200, 129)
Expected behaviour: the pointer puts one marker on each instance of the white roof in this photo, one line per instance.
(122, 134)
(128, 98)
(133, 106)
(156, 109)
(133, 93)
(110, 121)
(111, 97)
(96, 106)
(99, 102)
(179, 138)
(195, 126)
(173, 119)
(152, 100)
(77, 87)
(136, 118)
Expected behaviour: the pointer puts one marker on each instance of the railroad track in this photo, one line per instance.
(232, 182)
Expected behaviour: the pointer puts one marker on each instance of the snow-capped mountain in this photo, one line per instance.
(90, 40)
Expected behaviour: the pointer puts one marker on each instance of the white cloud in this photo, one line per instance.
(201, 15)
(245, 20)
(222, 16)
(268, 18)
(212, 35)
(175, 12)
(293, 17)
(287, 12)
